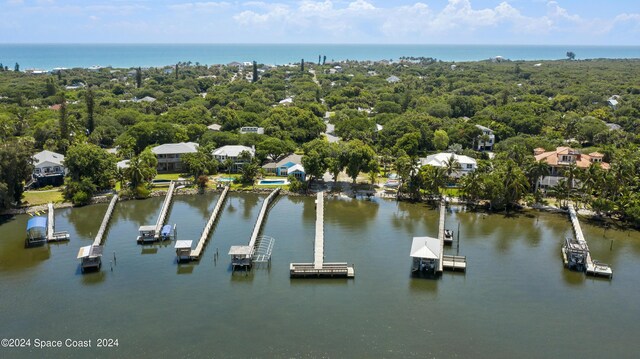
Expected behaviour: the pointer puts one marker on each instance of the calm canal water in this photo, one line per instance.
(516, 299)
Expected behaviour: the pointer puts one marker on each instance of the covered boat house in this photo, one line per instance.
(426, 254)
(36, 231)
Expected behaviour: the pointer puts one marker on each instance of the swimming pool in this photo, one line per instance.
(226, 179)
(273, 182)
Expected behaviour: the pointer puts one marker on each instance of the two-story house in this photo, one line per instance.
(486, 140)
(170, 155)
(233, 153)
(290, 165)
(48, 169)
(563, 158)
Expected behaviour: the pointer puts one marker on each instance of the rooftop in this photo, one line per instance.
(48, 156)
(173, 148)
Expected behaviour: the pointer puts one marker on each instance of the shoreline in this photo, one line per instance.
(104, 198)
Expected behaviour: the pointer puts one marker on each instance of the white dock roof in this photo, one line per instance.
(182, 244)
(240, 251)
(425, 247)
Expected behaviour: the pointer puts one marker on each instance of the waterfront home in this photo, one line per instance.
(170, 155)
(252, 129)
(290, 165)
(48, 169)
(233, 153)
(562, 159)
(486, 140)
(467, 164)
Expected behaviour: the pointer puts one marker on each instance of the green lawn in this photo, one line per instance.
(34, 198)
(451, 192)
(168, 176)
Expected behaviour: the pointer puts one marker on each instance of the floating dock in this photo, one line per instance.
(244, 256)
(196, 253)
(319, 268)
(152, 233)
(91, 256)
(428, 252)
(576, 255)
(52, 235)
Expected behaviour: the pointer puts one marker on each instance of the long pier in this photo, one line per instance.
(52, 235)
(91, 256)
(105, 221)
(576, 253)
(164, 210)
(242, 256)
(196, 253)
(319, 268)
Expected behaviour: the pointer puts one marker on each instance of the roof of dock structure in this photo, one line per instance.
(240, 251)
(425, 247)
(91, 251)
(182, 244)
(37, 222)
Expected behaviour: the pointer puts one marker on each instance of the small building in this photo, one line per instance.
(48, 169)
(613, 101)
(90, 257)
(147, 99)
(563, 158)
(232, 152)
(467, 164)
(215, 127)
(183, 250)
(486, 140)
(252, 129)
(36, 231)
(240, 256)
(286, 102)
(425, 252)
(393, 79)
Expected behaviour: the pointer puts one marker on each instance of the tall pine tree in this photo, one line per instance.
(255, 72)
(89, 98)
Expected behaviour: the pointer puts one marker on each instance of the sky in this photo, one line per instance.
(510, 22)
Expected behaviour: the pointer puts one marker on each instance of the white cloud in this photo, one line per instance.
(199, 6)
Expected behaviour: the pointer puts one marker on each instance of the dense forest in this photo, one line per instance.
(387, 115)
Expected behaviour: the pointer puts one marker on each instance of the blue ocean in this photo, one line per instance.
(49, 56)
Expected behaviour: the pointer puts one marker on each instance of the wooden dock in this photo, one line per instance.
(52, 235)
(428, 255)
(242, 256)
(591, 267)
(319, 268)
(196, 253)
(164, 210)
(91, 256)
(105, 221)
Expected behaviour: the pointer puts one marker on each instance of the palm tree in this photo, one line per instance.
(535, 171)
(452, 165)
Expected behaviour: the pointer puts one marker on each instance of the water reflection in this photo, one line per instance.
(185, 268)
(349, 213)
(86, 220)
(141, 212)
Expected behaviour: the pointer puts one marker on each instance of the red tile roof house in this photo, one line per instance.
(560, 159)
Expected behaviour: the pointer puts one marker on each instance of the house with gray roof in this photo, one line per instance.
(170, 155)
(48, 169)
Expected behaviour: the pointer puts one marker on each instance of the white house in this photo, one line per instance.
(232, 152)
(613, 101)
(488, 141)
(48, 168)
(467, 164)
(252, 129)
(170, 155)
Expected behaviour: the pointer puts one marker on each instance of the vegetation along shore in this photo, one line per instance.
(496, 134)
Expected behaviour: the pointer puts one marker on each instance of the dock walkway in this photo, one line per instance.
(592, 267)
(91, 256)
(164, 210)
(196, 253)
(105, 221)
(52, 235)
(242, 256)
(319, 268)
